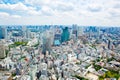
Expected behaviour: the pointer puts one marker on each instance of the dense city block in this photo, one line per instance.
(59, 52)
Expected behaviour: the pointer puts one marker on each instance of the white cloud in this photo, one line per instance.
(4, 14)
(18, 8)
(15, 16)
(7, 15)
(89, 12)
(117, 5)
(95, 7)
(61, 6)
(34, 13)
(114, 12)
(47, 11)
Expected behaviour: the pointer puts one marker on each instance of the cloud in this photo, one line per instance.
(61, 6)
(94, 7)
(45, 10)
(91, 12)
(54, 4)
(7, 15)
(18, 8)
(114, 12)
(3, 14)
(117, 6)
(15, 16)
(34, 13)
(11, 1)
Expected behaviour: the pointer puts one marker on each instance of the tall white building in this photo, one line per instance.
(2, 51)
(33, 71)
(47, 41)
(80, 30)
(24, 29)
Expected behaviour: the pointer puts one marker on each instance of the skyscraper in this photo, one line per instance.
(75, 31)
(109, 44)
(65, 35)
(57, 39)
(47, 41)
(2, 51)
(80, 30)
(24, 30)
(3, 33)
(46, 45)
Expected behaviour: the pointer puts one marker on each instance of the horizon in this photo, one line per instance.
(70, 25)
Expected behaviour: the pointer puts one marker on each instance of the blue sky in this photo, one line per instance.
(81, 12)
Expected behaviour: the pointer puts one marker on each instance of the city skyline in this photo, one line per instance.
(51, 12)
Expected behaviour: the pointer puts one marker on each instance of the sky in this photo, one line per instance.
(66, 12)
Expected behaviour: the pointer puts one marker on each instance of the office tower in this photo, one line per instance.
(57, 39)
(3, 33)
(47, 41)
(74, 35)
(24, 30)
(109, 44)
(75, 31)
(65, 35)
(2, 51)
(28, 34)
(57, 36)
(46, 45)
(51, 36)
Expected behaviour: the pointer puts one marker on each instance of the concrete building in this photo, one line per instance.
(57, 39)
(3, 33)
(32, 72)
(72, 57)
(47, 41)
(2, 51)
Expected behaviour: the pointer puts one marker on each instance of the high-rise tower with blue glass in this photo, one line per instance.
(65, 35)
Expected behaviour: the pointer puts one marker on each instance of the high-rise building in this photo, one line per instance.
(24, 30)
(65, 35)
(80, 30)
(2, 51)
(46, 45)
(57, 39)
(75, 31)
(57, 36)
(3, 33)
(109, 44)
(47, 41)
(28, 34)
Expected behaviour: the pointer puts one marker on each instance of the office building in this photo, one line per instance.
(47, 41)
(2, 51)
(65, 35)
(57, 39)
(3, 33)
